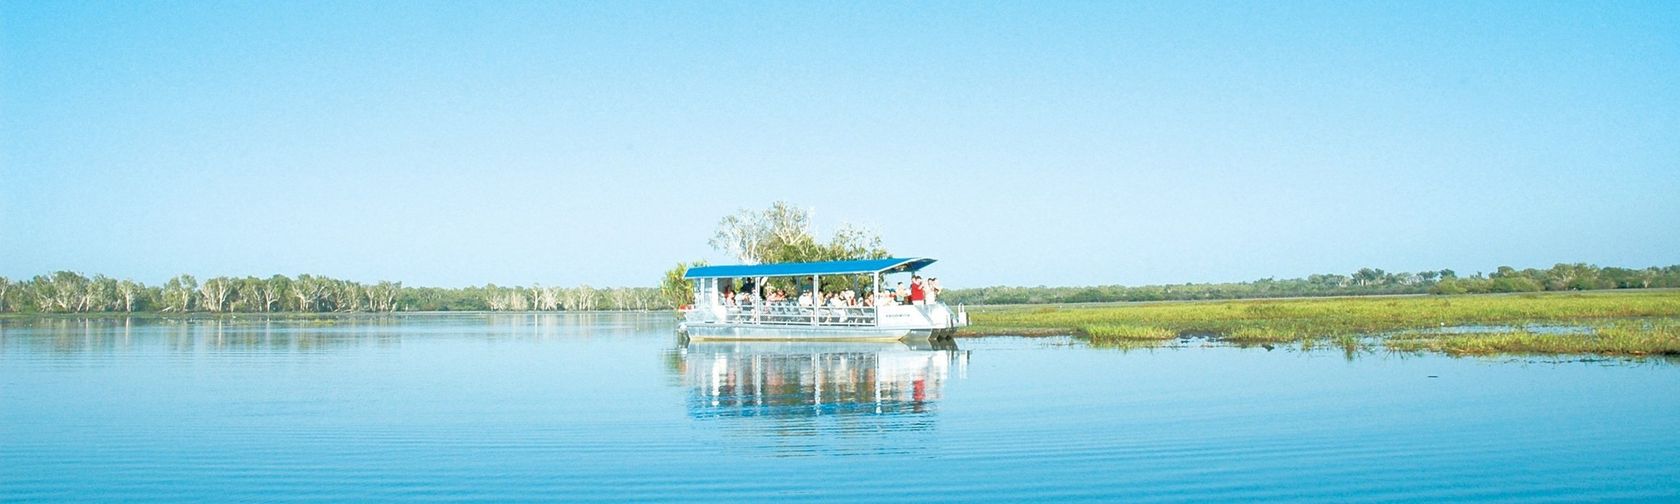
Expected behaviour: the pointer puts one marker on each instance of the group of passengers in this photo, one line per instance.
(920, 293)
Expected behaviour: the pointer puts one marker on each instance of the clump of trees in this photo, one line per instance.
(70, 292)
(1366, 281)
(784, 233)
(1578, 276)
(780, 234)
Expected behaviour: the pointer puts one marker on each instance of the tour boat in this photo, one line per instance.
(712, 317)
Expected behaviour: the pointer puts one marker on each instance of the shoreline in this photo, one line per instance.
(1633, 323)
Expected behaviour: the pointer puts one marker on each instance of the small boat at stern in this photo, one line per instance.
(818, 301)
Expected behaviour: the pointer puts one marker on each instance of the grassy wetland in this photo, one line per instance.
(1610, 323)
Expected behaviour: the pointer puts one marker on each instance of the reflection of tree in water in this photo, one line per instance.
(306, 334)
(71, 337)
(545, 325)
(808, 390)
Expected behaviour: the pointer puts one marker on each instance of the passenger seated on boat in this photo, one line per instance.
(838, 305)
(805, 299)
(900, 295)
(838, 314)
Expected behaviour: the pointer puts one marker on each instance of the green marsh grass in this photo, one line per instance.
(1630, 323)
(1623, 337)
(1127, 332)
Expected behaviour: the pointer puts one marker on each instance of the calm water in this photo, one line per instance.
(610, 407)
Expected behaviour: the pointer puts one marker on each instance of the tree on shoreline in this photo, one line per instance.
(177, 294)
(676, 290)
(70, 292)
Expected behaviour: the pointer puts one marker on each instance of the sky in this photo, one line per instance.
(1021, 143)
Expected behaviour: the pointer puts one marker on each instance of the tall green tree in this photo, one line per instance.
(783, 233)
(274, 292)
(130, 294)
(178, 293)
(216, 294)
(677, 290)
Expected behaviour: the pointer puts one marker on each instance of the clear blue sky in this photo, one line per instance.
(1029, 143)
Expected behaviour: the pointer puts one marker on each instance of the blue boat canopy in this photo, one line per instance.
(888, 265)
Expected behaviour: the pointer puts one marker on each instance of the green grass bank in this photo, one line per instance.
(1617, 323)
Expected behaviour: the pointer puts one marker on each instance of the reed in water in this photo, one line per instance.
(1604, 322)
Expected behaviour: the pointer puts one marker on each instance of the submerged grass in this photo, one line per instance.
(1613, 323)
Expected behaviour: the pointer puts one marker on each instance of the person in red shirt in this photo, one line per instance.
(918, 292)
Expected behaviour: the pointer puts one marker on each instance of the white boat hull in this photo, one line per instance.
(789, 323)
(756, 332)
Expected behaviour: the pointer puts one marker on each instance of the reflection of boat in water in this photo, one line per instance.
(806, 379)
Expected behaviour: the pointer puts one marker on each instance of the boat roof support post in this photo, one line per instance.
(875, 303)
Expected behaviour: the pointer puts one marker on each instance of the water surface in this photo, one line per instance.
(611, 407)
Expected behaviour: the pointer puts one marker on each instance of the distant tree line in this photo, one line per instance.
(1366, 281)
(70, 292)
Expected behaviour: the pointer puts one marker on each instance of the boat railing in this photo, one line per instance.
(795, 314)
